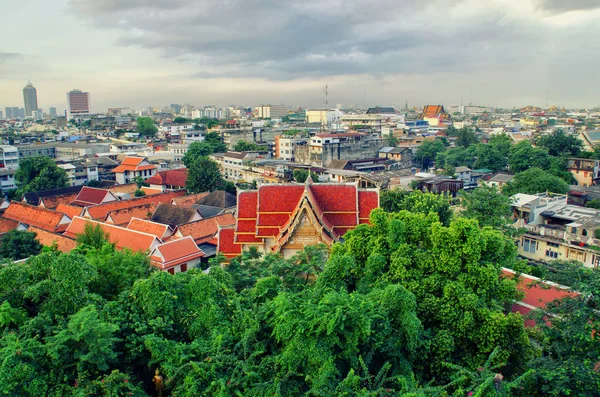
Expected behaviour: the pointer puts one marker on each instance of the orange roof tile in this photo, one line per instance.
(42, 218)
(176, 177)
(52, 202)
(123, 168)
(150, 191)
(69, 210)
(6, 225)
(189, 200)
(157, 229)
(226, 246)
(175, 252)
(120, 236)
(123, 216)
(206, 228)
(48, 239)
(127, 188)
(132, 160)
(89, 196)
(100, 211)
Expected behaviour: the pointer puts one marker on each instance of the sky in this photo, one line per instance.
(137, 53)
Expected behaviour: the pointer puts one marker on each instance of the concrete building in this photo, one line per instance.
(271, 111)
(9, 157)
(285, 146)
(329, 118)
(321, 149)
(133, 167)
(78, 103)
(80, 173)
(52, 111)
(585, 171)
(30, 99)
(7, 179)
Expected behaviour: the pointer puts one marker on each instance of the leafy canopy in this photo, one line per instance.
(39, 173)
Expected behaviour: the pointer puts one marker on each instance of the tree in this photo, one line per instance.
(216, 142)
(559, 143)
(490, 156)
(180, 120)
(93, 183)
(139, 193)
(466, 137)
(533, 181)
(93, 236)
(39, 173)
(427, 152)
(487, 205)
(145, 127)
(524, 156)
(204, 175)
(595, 203)
(243, 146)
(196, 150)
(17, 245)
(416, 201)
(301, 175)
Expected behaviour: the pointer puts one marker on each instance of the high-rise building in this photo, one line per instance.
(30, 99)
(52, 111)
(8, 112)
(21, 112)
(1, 115)
(78, 103)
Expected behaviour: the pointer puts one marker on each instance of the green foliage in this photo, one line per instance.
(301, 175)
(180, 120)
(416, 201)
(488, 205)
(559, 143)
(212, 144)
(139, 193)
(204, 175)
(428, 151)
(16, 245)
(93, 236)
(145, 127)
(524, 156)
(243, 146)
(465, 137)
(535, 180)
(93, 183)
(595, 203)
(39, 173)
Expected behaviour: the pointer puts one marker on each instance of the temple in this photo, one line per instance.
(286, 218)
(435, 115)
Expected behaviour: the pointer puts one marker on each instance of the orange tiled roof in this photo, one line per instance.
(52, 202)
(150, 191)
(434, 111)
(157, 229)
(42, 218)
(120, 236)
(100, 211)
(176, 177)
(6, 225)
(175, 252)
(132, 160)
(69, 210)
(127, 188)
(123, 216)
(89, 196)
(189, 200)
(205, 229)
(123, 168)
(48, 239)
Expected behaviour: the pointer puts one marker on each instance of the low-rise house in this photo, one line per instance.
(177, 255)
(6, 225)
(89, 196)
(69, 210)
(586, 172)
(52, 197)
(205, 231)
(159, 230)
(169, 179)
(401, 156)
(173, 215)
(104, 166)
(441, 186)
(189, 200)
(122, 217)
(464, 174)
(498, 180)
(99, 212)
(49, 220)
(133, 167)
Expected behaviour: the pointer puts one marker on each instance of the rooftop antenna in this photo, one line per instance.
(325, 99)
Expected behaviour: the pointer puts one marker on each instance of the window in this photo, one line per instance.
(551, 254)
(552, 245)
(573, 230)
(584, 233)
(184, 267)
(529, 245)
(171, 270)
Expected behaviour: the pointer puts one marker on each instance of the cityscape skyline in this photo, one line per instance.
(519, 53)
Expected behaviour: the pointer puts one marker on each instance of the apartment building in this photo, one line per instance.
(321, 149)
(9, 157)
(285, 145)
(585, 171)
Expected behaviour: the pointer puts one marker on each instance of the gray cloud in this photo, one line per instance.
(289, 39)
(7, 56)
(560, 6)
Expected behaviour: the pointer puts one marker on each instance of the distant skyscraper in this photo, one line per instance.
(8, 112)
(1, 115)
(30, 98)
(52, 111)
(21, 112)
(78, 103)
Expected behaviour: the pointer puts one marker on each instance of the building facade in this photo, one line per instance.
(585, 171)
(322, 149)
(271, 111)
(78, 103)
(30, 99)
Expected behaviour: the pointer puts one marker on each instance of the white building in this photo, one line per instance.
(330, 118)
(7, 179)
(132, 167)
(271, 111)
(9, 157)
(285, 145)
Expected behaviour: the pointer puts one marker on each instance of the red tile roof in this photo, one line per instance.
(6, 225)
(205, 229)
(120, 236)
(100, 211)
(189, 200)
(367, 201)
(48, 239)
(42, 218)
(176, 177)
(89, 196)
(538, 293)
(69, 210)
(123, 216)
(175, 252)
(157, 229)
(226, 245)
(132, 160)
(53, 202)
(150, 191)
(131, 163)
